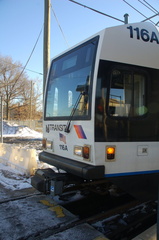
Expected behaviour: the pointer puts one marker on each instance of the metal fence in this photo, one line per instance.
(33, 124)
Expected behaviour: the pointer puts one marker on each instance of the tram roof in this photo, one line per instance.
(136, 44)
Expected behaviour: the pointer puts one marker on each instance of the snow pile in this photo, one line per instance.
(13, 130)
(19, 158)
(13, 179)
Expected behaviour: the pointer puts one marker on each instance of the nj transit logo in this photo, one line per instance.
(80, 132)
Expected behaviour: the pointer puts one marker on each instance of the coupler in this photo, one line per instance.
(48, 181)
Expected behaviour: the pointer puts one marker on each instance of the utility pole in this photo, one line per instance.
(31, 96)
(46, 46)
(1, 118)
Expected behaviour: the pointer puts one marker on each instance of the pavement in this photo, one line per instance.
(27, 214)
(38, 217)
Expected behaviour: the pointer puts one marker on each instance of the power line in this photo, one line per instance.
(151, 9)
(17, 66)
(30, 54)
(146, 18)
(59, 26)
(147, 6)
(137, 11)
(150, 18)
(33, 71)
(151, 6)
(96, 11)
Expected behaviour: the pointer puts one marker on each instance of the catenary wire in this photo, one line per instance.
(96, 11)
(137, 10)
(30, 54)
(150, 18)
(150, 6)
(59, 25)
(146, 6)
(17, 66)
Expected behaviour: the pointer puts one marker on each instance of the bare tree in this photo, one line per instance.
(16, 89)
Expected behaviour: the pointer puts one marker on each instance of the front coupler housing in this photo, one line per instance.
(48, 181)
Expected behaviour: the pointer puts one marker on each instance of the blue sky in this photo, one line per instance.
(22, 20)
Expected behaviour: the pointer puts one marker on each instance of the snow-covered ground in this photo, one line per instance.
(13, 130)
(10, 178)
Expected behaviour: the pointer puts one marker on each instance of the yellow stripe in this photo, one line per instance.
(58, 210)
(47, 203)
(100, 238)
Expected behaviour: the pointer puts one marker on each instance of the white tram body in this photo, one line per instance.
(101, 111)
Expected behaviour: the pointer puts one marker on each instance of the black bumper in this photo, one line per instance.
(79, 169)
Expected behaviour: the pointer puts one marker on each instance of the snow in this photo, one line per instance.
(11, 178)
(13, 130)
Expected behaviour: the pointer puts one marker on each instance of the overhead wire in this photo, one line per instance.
(150, 18)
(17, 66)
(147, 5)
(59, 25)
(30, 54)
(152, 9)
(96, 11)
(137, 11)
(33, 71)
(24, 67)
(151, 6)
(146, 18)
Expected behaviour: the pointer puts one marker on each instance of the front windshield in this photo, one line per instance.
(70, 76)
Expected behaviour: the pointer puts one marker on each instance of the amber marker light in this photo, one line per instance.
(44, 143)
(110, 152)
(86, 152)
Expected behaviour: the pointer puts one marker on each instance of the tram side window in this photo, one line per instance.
(127, 96)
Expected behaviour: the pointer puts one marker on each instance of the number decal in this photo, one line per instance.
(143, 34)
(154, 38)
(137, 33)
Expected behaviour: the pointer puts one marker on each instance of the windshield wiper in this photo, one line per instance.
(67, 129)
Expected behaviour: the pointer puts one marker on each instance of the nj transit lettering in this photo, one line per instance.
(55, 127)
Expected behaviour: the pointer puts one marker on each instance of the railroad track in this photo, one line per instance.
(123, 221)
(11, 199)
(114, 218)
(128, 222)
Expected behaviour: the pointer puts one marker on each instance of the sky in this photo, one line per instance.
(21, 22)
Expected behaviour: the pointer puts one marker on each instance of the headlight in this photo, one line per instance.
(49, 145)
(78, 150)
(82, 152)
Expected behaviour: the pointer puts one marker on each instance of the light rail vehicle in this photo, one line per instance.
(101, 112)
